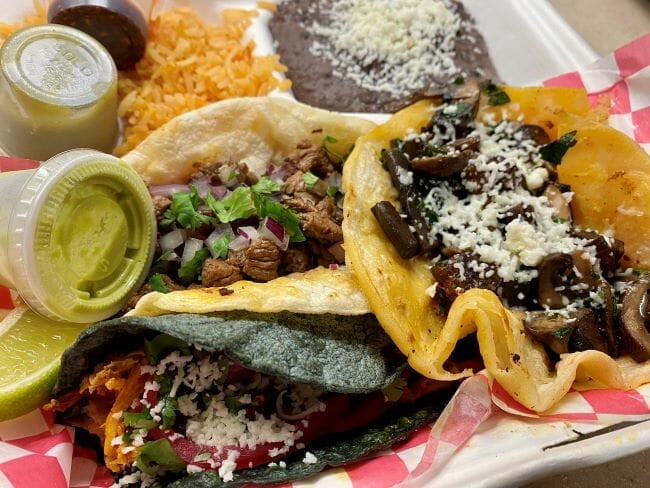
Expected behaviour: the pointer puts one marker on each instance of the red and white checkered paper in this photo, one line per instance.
(36, 452)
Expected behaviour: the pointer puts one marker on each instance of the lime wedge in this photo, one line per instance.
(30, 354)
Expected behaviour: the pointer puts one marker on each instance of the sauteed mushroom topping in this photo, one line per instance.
(482, 201)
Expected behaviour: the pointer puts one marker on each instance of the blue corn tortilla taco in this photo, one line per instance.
(203, 400)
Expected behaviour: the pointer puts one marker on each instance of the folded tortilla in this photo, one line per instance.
(606, 170)
(256, 131)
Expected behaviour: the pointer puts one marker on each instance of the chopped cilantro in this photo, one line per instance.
(220, 246)
(159, 454)
(233, 405)
(397, 144)
(562, 332)
(282, 215)
(192, 268)
(157, 284)
(266, 186)
(555, 151)
(127, 437)
(168, 412)
(183, 210)
(161, 345)
(164, 256)
(459, 80)
(327, 140)
(310, 180)
(394, 391)
(332, 191)
(496, 96)
(237, 205)
(433, 150)
(199, 458)
(139, 420)
(427, 212)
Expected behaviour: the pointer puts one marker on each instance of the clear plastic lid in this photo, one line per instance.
(81, 236)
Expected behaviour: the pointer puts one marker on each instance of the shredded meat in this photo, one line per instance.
(455, 276)
(312, 158)
(160, 204)
(236, 258)
(296, 260)
(146, 288)
(294, 183)
(262, 260)
(217, 272)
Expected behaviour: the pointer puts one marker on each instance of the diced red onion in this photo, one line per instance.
(273, 231)
(172, 240)
(219, 231)
(338, 252)
(168, 190)
(192, 246)
(333, 267)
(202, 187)
(239, 243)
(248, 232)
(277, 173)
(219, 191)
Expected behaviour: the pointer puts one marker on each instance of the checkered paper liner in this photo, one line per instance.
(36, 452)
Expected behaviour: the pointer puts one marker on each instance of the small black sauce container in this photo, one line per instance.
(120, 25)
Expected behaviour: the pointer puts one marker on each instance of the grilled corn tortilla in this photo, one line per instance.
(255, 131)
(396, 288)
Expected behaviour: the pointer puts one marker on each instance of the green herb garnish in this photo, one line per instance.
(427, 212)
(157, 455)
(332, 191)
(184, 211)
(496, 96)
(266, 186)
(310, 180)
(233, 405)
(459, 108)
(220, 246)
(168, 412)
(237, 205)
(163, 344)
(459, 80)
(192, 268)
(433, 150)
(139, 420)
(555, 151)
(199, 458)
(562, 332)
(157, 284)
(281, 214)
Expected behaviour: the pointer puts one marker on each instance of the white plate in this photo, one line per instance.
(528, 42)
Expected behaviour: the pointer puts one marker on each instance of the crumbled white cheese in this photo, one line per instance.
(310, 458)
(389, 46)
(536, 178)
(228, 466)
(405, 176)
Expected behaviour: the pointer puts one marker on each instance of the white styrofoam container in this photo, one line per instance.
(528, 42)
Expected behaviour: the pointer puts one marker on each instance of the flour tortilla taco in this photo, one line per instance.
(248, 202)
(513, 217)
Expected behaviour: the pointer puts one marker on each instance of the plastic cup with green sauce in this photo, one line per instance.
(77, 235)
(58, 91)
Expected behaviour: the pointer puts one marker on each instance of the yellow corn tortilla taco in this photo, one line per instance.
(608, 174)
(250, 161)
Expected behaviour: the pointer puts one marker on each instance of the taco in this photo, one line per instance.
(247, 191)
(200, 401)
(513, 217)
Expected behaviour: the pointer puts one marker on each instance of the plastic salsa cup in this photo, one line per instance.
(77, 235)
(58, 91)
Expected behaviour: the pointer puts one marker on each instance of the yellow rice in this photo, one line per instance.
(187, 64)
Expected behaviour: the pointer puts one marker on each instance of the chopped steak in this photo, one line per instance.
(321, 227)
(314, 159)
(461, 272)
(296, 260)
(295, 183)
(160, 204)
(217, 272)
(262, 260)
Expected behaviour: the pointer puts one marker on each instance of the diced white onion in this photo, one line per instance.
(192, 246)
(248, 232)
(238, 243)
(172, 240)
(202, 187)
(227, 176)
(334, 179)
(273, 231)
(219, 231)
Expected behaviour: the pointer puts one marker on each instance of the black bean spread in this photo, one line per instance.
(376, 56)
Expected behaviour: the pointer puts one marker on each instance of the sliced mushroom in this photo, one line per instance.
(583, 271)
(534, 133)
(557, 202)
(576, 332)
(608, 317)
(554, 271)
(461, 120)
(636, 338)
(454, 160)
(396, 229)
(604, 252)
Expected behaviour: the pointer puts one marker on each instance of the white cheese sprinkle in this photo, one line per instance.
(310, 458)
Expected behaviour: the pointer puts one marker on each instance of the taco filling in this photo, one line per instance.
(170, 408)
(228, 224)
(481, 199)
